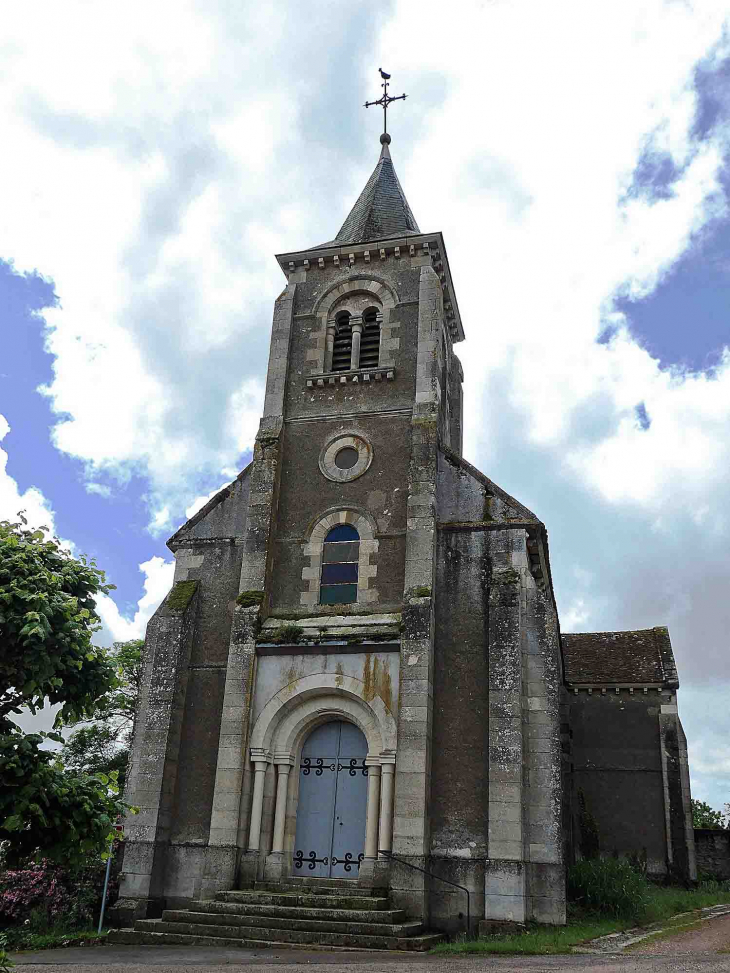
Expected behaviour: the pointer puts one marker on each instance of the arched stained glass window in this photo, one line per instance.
(340, 558)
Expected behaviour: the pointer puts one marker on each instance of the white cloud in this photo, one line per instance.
(32, 502)
(116, 628)
(200, 502)
(98, 488)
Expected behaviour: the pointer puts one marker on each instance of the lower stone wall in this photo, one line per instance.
(448, 904)
(712, 848)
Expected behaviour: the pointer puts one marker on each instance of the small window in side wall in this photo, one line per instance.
(342, 351)
(340, 561)
(370, 341)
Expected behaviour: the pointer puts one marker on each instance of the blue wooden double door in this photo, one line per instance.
(332, 802)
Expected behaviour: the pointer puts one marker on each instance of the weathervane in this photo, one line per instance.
(385, 100)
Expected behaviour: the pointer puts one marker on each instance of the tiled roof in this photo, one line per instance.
(382, 210)
(620, 658)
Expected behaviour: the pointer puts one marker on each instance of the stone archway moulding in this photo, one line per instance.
(288, 715)
(377, 286)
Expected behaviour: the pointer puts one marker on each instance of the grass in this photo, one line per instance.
(660, 904)
(538, 940)
(669, 901)
(23, 939)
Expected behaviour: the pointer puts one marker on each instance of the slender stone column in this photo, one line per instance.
(329, 345)
(356, 324)
(257, 806)
(373, 812)
(282, 789)
(386, 807)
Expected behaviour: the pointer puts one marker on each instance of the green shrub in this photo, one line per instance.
(609, 886)
(5, 961)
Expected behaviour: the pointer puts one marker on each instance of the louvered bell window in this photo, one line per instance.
(340, 559)
(342, 351)
(370, 341)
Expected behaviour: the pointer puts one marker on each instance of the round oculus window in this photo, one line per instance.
(345, 458)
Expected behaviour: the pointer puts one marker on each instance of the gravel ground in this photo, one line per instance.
(710, 936)
(133, 959)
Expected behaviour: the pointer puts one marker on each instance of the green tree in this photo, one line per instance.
(101, 743)
(703, 816)
(47, 620)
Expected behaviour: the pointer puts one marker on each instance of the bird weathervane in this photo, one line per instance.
(385, 100)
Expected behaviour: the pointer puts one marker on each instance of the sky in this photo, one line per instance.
(576, 158)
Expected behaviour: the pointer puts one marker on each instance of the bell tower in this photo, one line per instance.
(362, 385)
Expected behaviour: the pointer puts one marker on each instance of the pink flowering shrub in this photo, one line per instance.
(37, 886)
(45, 896)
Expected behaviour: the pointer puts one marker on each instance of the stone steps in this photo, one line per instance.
(248, 934)
(391, 916)
(305, 900)
(296, 915)
(316, 883)
(134, 937)
(325, 924)
(305, 888)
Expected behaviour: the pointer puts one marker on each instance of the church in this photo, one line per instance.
(359, 721)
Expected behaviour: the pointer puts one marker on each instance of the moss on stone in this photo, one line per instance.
(487, 510)
(249, 599)
(283, 635)
(506, 577)
(421, 591)
(181, 595)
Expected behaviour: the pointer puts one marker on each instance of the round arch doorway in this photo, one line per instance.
(330, 837)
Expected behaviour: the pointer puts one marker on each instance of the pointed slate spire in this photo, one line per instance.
(382, 210)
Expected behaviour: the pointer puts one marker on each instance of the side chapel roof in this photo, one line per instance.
(382, 210)
(638, 658)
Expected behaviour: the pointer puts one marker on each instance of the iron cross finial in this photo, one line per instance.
(385, 100)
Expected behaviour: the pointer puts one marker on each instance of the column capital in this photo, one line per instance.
(282, 759)
(260, 756)
(372, 763)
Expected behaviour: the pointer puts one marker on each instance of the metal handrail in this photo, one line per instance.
(425, 871)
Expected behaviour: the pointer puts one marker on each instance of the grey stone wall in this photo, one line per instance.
(305, 496)
(713, 853)
(460, 769)
(617, 775)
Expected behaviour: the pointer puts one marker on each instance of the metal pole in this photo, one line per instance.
(106, 886)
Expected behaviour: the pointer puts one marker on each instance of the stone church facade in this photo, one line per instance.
(359, 672)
